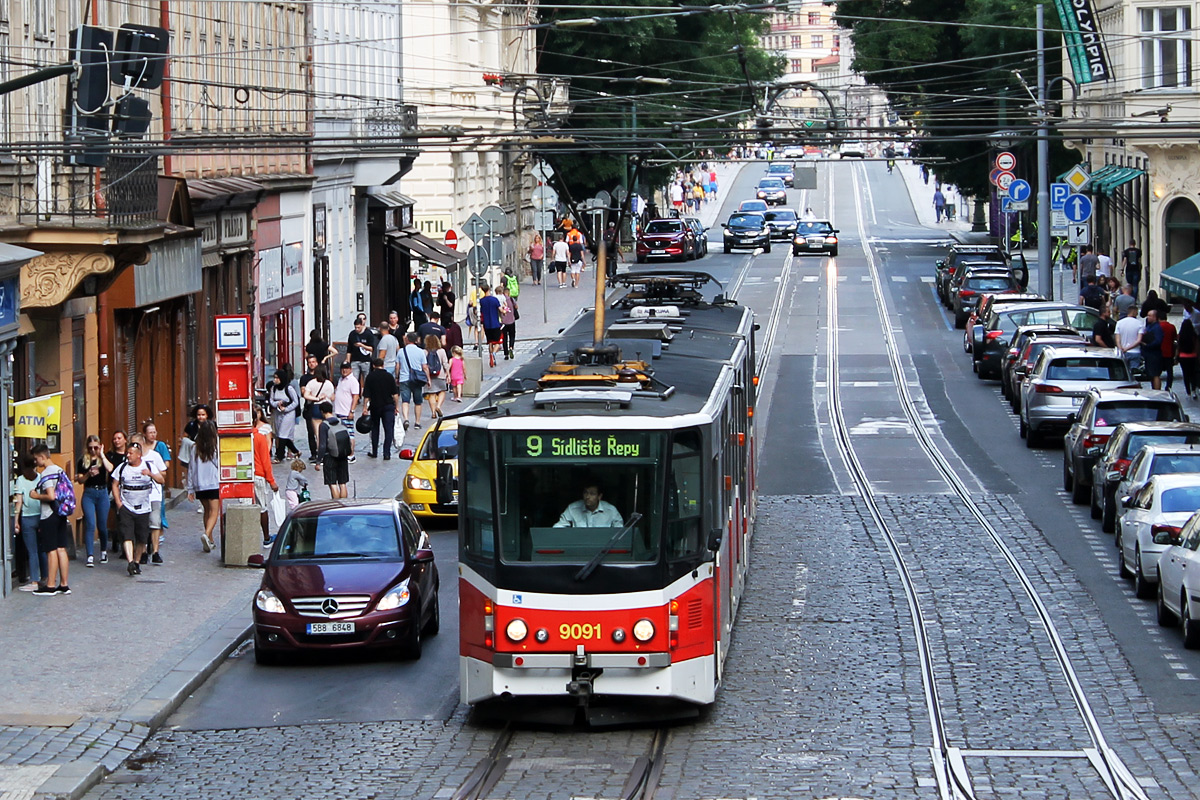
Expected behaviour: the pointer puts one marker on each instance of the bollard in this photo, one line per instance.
(472, 375)
(242, 535)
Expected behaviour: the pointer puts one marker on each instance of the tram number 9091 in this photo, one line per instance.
(579, 631)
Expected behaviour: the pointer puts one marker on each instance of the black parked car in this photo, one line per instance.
(700, 236)
(992, 345)
(946, 267)
(977, 282)
(974, 329)
(1126, 442)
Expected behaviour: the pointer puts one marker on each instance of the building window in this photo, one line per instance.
(796, 43)
(837, 42)
(814, 18)
(1166, 47)
(796, 65)
(818, 41)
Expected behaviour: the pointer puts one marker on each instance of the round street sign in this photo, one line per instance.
(479, 260)
(1006, 161)
(995, 173)
(1004, 180)
(451, 239)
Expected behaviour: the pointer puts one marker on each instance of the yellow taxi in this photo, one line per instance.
(419, 490)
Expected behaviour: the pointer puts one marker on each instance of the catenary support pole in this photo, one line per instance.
(1045, 268)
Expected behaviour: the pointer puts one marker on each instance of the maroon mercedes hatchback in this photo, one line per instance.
(346, 575)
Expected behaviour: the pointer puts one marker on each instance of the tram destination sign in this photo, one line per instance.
(581, 445)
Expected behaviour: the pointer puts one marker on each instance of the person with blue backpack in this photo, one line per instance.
(57, 496)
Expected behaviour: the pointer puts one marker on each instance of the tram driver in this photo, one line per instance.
(590, 512)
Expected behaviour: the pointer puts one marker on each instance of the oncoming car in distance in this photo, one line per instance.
(346, 575)
(815, 236)
(771, 191)
(747, 230)
(421, 477)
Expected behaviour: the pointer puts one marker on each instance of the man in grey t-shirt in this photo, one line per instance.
(388, 347)
(1088, 263)
(1123, 302)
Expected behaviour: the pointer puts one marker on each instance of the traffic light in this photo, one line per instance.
(139, 57)
(132, 117)
(85, 121)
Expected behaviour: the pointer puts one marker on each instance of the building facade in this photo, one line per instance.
(1136, 134)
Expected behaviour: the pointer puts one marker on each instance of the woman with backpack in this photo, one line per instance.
(435, 374)
(204, 477)
(92, 470)
(284, 401)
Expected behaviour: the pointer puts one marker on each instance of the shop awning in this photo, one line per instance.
(1182, 279)
(392, 198)
(1119, 176)
(424, 249)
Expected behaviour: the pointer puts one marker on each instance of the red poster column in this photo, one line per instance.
(235, 405)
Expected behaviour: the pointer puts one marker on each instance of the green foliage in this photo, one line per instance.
(698, 53)
(955, 83)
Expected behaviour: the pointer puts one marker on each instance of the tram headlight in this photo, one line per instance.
(516, 630)
(643, 630)
(619, 635)
(542, 635)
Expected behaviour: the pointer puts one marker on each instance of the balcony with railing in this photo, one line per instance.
(45, 192)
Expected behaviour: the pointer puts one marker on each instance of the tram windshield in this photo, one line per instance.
(565, 497)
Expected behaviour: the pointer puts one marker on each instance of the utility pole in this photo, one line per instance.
(1045, 272)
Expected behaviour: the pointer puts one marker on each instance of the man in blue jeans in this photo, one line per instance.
(382, 396)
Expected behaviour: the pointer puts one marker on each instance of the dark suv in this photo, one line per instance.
(966, 267)
(974, 331)
(1126, 442)
(977, 282)
(1027, 344)
(991, 346)
(946, 267)
(1093, 424)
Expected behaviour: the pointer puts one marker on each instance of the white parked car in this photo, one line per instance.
(1157, 459)
(1147, 523)
(1179, 583)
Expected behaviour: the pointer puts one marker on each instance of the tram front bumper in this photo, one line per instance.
(569, 660)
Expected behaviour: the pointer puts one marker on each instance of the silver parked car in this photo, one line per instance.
(1059, 381)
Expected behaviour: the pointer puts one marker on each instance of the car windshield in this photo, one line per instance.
(447, 443)
(782, 215)
(1137, 441)
(1185, 498)
(989, 284)
(770, 183)
(780, 167)
(746, 220)
(341, 534)
(1174, 463)
(664, 226)
(1087, 368)
(1109, 415)
(814, 227)
(752, 205)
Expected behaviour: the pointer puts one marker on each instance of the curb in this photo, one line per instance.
(147, 714)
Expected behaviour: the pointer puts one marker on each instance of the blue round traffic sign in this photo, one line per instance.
(1077, 208)
(1019, 191)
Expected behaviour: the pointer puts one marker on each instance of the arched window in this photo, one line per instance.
(1182, 222)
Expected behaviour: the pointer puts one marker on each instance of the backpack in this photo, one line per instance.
(514, 286)
(64, 495)
(434, 362)
(291, 393)
(337, 439)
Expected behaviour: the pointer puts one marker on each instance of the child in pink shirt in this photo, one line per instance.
(458, 373)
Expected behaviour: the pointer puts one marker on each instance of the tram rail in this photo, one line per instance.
(953, 778)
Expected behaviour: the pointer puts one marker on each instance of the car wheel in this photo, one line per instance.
(960, 321)
(1004, 388)
(1032, 439)
(1023, 429)
(412, 648)
(834, 252)
(1095, 509)
(795, 252)
(1142, 586)
(1121, 566)
(642, 259)
(1108, 517)
(435, 616)
(1191, 627)
(1068, 484)
(1016, 401)
(1079, 492)
(767, 246)
(1166, 618)
(266, 658)
(728, 250)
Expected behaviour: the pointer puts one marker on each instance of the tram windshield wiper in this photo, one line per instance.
(590, 566)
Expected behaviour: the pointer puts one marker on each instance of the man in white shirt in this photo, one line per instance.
(345, 400)
(561, 252)
(156, 464)
(1104, 268)
(590, 512)
(1129, 332)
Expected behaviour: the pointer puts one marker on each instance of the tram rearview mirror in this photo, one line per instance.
(444, 483)
(714, 539)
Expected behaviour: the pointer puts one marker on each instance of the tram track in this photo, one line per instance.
(640, 782)
(949, 759)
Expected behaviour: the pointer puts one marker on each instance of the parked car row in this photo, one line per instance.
(1128, 451)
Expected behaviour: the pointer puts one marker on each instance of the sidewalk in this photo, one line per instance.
(921, 194)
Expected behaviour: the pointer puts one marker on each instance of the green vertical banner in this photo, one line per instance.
(1085, 46)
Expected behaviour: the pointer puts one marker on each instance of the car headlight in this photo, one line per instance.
(395, 598)
(643, 630)
(761, 195)
(266, 601)
(830, 240)
(419, 483)
(516, 630)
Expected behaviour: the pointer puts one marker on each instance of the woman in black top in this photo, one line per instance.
(446, 300)
(92, 470)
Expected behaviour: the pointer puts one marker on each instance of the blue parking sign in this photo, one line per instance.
(1059, 192)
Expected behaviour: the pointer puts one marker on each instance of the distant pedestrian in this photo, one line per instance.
(306, 414)
(204, 480)
(27, 513)
(284, 402)
(116, 457)
(156, 445)
(1131, 263)
(447, 303)
(1150, 342)
(132, 486)
(92, 470)
(296, 488)
(416, 305)
(265, 488)
(458, 374)
(925, 173)
(382, 395)
(360, 345)
(1104, 332)
(1155, 303)
(153, 458)
(576, 249)
(561, 255)
(318, 348)
(318, 390)
(346, 399)
(1088, 264)
(389, 346)
(1129, 332)
(1189, 357)
(939, 203)
(1103, 265)
(412, 379)
(1091, 295)
(435, 375)
(508, 320)
(433, 328)
(1169, 344)
(489, 316)
(677, 196)
(333, 443)
(537, 256)
(1123, 302)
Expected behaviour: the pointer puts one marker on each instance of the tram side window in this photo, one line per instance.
(476, 466)
(685, 507)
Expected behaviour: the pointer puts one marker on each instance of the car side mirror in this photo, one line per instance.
(408, 454)
(1072, 418)
(423, 556)
(1021, 370)
(444, 483)
(1164, 537)
(940, 263)
(257, 561)
(1127, 502)
(714, 539)
(1093, 451)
